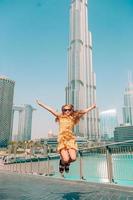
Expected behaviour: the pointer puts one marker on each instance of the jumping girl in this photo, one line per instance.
(67, 146)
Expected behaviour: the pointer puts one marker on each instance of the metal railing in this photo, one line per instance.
(40, 166)
(112, 163)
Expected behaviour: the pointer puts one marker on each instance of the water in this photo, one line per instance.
(123, 169)
(95, 169)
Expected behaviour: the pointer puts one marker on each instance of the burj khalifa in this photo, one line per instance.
(81, 88)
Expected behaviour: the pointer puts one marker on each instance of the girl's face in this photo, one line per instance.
(67, 110)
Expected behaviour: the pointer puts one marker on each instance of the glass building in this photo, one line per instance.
(108, 122)
(128, 105)
(81, 88)
(6, 103)
(24, 122)
(123, 133)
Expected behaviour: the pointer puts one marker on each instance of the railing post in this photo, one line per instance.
(31, 166)
(25, 166)
(38, 166)
(10, 167)
(109, 164)
(16, 167)
(20, 167)
(81, 165)
(48, 159)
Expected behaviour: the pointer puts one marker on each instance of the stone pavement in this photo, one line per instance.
(32, 187)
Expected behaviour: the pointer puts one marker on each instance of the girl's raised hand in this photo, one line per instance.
(38, 102)
(94, 105)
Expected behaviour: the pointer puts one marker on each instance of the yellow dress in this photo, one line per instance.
(66, 138)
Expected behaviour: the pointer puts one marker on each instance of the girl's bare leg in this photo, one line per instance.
(65, 156)
(72, 155)
(64, 161)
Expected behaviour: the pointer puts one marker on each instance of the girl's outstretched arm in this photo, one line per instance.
(82, 112)
(47, 108)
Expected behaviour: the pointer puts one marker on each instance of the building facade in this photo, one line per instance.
(81, 88)
(123, 133)
(128, 104)
(108, 122)
(24, 122)
(6, 103)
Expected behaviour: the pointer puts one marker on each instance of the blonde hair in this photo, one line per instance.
(75, 113)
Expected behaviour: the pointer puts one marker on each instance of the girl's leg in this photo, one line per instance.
(72, 158)
(67, 156)
(72, 155)
(64, 160)
(64, 156)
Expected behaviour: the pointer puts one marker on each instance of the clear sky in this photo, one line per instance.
(33, 52)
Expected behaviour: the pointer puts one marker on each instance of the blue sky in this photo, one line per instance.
(33, 52)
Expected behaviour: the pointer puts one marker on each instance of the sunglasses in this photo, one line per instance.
(64, 110)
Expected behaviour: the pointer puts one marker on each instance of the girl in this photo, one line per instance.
(67, 146)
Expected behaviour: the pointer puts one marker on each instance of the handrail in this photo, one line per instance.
(107, 145)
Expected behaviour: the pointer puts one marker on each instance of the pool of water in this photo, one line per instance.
(94, 169)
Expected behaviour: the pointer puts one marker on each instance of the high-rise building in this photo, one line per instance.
(123, 133)
(81, 88)
(108, 122)
(128, 103)
(6, 103)
(24, 122)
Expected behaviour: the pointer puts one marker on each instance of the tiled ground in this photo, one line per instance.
(32, 187)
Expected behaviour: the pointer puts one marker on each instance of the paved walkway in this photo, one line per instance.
(31, 187)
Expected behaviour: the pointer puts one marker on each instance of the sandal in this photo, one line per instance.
(67, 167)
(61, 167)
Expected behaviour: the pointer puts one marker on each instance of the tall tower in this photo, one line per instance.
(6, 103)
(128, 103)
(81, 89)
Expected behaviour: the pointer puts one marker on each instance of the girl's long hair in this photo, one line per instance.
(75, 113)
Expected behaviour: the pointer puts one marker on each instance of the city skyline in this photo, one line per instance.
(34, 41)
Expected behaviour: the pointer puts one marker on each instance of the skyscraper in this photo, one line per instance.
(24, 122)
(128, 103)
(108, 122)
(81, 89)
(6, 103)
